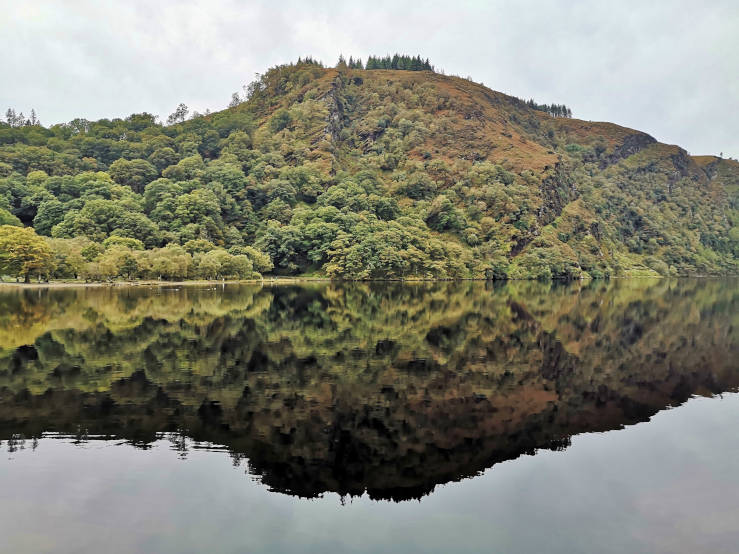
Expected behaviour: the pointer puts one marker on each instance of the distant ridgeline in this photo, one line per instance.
(348, 172)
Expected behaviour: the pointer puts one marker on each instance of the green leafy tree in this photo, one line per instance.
(69, 261)
(50, 212)
(283, 245)
(6, 218)
(126, 242)
(260, 261)
(23, 253)
(163, 157)
(133, 173)
(198, 245)
(191, 167)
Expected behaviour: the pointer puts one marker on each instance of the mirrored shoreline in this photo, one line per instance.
(383, 389)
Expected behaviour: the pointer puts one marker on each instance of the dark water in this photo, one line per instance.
(439, 417)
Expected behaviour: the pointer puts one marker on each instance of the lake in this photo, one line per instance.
(371, 417)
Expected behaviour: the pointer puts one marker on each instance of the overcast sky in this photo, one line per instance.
(669, 68)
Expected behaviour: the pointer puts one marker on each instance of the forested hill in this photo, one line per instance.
(362, 173)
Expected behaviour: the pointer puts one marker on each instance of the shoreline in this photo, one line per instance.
(292, 281)
(151, 284)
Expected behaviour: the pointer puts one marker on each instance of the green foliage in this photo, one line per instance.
(191, 167)
(198, 245)
(23, 253)
(49, 213)
(133, 173)
(283, 244)
(443, 216)
(419, 187)
(280, 120)
(359, 174)
(260, 261)
(398, 61)
(71, 255)
(163, 157)
(6, 218)
(127, 242)
(555, 110)
(402, 248)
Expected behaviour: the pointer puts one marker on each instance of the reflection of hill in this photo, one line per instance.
(385, 388)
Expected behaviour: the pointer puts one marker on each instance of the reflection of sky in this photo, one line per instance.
(669, 485)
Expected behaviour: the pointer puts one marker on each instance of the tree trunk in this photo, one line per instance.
(27, 278)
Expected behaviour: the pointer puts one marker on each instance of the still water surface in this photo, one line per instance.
(438, 417)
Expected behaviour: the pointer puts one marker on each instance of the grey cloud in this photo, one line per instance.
(668, 68)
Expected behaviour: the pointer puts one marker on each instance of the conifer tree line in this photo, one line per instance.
(397, 61)
(555, 110)
(309, 60)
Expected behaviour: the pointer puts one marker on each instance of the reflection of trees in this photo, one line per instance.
(179, 441)
(385, 388)
(16, 441)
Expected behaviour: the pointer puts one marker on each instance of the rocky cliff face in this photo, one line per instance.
(630, 145)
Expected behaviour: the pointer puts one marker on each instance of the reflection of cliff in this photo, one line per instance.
(384, 388)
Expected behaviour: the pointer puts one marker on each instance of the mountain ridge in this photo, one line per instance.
(355, 173)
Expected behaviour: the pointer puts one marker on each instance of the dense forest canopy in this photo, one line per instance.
(383, 169)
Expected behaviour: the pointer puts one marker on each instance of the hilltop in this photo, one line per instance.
(357, 173)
